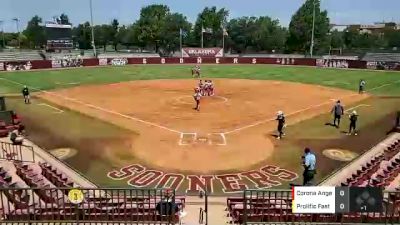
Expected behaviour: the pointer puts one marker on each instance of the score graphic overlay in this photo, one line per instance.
(331, 200)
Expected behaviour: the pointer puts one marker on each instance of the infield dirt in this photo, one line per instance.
(231, 132)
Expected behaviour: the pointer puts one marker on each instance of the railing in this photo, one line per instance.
(274, 206)
(20, 153)
(106, 206)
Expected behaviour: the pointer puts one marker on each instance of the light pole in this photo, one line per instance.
(2, 33)
(91, 21)
(19, 34)
(312, 31)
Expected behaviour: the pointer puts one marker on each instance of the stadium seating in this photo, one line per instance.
(382, 57)
(19, 55)
(38, 191)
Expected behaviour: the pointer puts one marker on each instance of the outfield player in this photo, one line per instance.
(197, 98)
(338, 112)
(353, 123)
(281, 124)
(196, 71)
(25, 93)
(361, 88)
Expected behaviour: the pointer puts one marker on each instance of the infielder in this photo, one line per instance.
(361, 88)
(281, 124)
(197, 98)
(25, 93)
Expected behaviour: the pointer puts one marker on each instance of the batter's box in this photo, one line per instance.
(187, 138)
(217, 139)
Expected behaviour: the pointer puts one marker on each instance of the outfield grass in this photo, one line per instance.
(346, 79)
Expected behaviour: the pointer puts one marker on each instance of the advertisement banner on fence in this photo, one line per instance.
(383, 65)
(66, 62)
(332, 63)
(13, 66)
(103, 62)
(1, 66)
(202, 52)
(119, 62)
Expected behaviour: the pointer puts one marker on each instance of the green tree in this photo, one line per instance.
(82, 35)
(114, 28)
(170, 41)
(103, 35)
(214, 19)
(64, 19)
(393, 38)
(336, 39)
(300, 27)
(150, 24)
(35, 33)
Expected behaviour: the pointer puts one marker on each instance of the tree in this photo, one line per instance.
(64, 19)
(114, 28)
(393, 38)
(35, 33)
(103, 35)
(82, 35)
(336, 39)
(300, 27)
(149, 26)
(170, 41)
(211, 18)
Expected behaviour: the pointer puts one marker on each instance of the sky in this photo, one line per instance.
(127, 11)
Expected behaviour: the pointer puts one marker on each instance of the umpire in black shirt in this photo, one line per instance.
(338, 112)
(25, 93)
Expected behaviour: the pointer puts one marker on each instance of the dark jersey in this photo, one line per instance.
(25, 91)
(353, 118)
(338, 109)
(281, 120)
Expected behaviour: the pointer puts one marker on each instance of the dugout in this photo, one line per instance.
(7, 117)
(2, 104)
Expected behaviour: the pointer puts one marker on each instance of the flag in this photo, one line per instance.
(206, 30)
(225, 32)
(182, 33)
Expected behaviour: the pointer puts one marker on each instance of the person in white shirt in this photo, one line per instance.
(309, 167)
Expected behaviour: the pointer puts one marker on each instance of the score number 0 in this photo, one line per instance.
(341, 193)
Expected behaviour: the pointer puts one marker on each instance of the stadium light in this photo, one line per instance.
(2, 33)
(312, 31)
(19, 34)
(91, 20)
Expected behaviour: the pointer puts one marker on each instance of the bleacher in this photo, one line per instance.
(37, 191)
(19, 55)
(127, 55)
(260, 206)
(382, 57)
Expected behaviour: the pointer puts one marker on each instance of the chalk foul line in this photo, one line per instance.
(95, 107)
(303, 110)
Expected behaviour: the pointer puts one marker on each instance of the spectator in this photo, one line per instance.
(309, 167)
(15, 138)
(166, 207)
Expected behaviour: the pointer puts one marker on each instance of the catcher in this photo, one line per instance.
(281, 124)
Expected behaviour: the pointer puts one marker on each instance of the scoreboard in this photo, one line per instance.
(331, 200)
(59, 36)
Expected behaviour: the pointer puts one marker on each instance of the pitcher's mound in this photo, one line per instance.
(64, 153)
(340, 154)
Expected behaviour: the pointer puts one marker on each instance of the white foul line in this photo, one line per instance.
(52, 107)
(95, 107)
(302, 110)
(355, 107)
